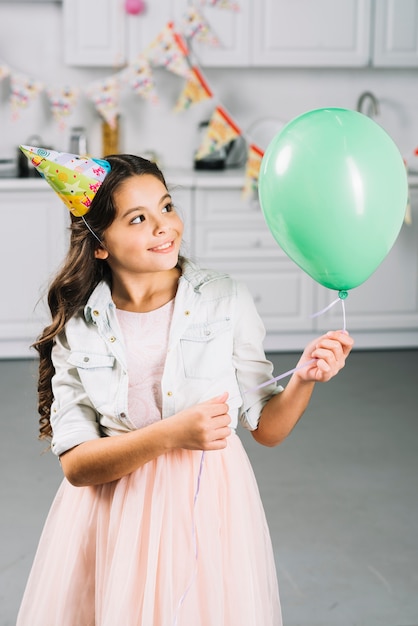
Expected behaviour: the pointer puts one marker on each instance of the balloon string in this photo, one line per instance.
(202, 458)
(196, 549)
(327, 308)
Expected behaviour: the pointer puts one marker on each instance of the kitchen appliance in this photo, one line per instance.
(232, 154)
(78, 141)
(7, 168)
(25, 169)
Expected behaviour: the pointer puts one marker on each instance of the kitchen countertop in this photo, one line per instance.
(174, 176)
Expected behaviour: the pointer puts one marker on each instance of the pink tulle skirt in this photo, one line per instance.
(155, 549)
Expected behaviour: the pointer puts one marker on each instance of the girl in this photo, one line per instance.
(143, 377)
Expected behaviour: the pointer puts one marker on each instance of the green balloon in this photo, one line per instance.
(333, 190)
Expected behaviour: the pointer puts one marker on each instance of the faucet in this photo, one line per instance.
(373, 104)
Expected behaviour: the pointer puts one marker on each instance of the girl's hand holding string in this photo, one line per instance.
(330, 352)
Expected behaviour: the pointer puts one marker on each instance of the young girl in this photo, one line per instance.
(145, 370)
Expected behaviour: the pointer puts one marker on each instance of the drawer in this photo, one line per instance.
(220, 205)
(227, 242)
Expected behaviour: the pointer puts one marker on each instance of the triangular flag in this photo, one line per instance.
(105, 95)
(195, 90)
(23, 91)
(170, 51)
(62, 101)
(221, 130)
(194, 26)
(74, 178)
(140, 79)
(221, 4)
(252, 171)
(4, 71)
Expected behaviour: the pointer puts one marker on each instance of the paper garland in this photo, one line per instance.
(62, 101)
(195, 90)
(252, 171)
(221, 130)
(168, 50)
(194, 26)
(23, 91)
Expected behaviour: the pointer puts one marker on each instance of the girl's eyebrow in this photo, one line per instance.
(166, 196)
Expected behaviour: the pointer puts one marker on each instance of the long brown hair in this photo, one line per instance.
(81, 272)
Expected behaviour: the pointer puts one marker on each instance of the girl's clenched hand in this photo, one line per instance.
(330, 353)
(204, 426)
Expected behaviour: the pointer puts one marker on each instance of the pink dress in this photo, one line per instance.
(182, 541)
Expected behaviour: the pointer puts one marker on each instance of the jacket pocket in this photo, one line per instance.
(207, 349)
(96, 375)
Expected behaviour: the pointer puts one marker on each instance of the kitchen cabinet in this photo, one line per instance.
(266, 33)
(396, 33)
(230, 234)
(303, 33)
(222, 231)
(384, 309)
(33, 244)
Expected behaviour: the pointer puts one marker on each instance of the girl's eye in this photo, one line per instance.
(137, 220)
(168, 207)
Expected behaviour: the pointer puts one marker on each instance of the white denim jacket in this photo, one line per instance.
(215, 345)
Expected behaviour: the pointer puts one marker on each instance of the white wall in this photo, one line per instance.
(30, 42)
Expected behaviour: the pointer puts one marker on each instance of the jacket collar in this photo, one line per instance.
(197, 277)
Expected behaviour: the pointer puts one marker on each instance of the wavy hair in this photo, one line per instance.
(81, 272)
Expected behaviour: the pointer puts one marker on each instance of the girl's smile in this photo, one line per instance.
(146, 233)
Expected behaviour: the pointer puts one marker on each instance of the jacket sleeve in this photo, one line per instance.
(73, 417)
(250, 362)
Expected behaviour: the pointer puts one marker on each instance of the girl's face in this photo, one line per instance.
(146, 234)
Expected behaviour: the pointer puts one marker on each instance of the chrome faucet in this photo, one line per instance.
(373, 108)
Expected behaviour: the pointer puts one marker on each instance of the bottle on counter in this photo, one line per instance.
(110, 138)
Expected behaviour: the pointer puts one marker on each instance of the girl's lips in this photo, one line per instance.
(164, 247)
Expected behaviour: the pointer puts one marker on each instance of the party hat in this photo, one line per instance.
(74, 178)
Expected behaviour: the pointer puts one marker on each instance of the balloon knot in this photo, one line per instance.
(343, 295)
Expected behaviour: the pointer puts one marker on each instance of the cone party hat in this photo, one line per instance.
(74, 178)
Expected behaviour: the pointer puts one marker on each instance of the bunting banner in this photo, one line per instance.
(194, 26)
(140, 79)
(62, 101)
(252, 171)
(221, 130)
(23, 91)
(221, 4)
(195, 90)
(105, 95)
(4, 71)
(169, 50)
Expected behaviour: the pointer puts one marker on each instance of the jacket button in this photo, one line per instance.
(96, 313)
(123, 415)
(86, 359)
(186, 312)
(112, 339)
(169, 393)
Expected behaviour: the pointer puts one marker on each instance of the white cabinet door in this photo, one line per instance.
(396, 33)
(307, 34)
(142, 29)
(233, 30)
(33, 244)
(94, 33)
(383, 311)
(232, 236)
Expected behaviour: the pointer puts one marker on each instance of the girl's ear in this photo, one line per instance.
(101, 253)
